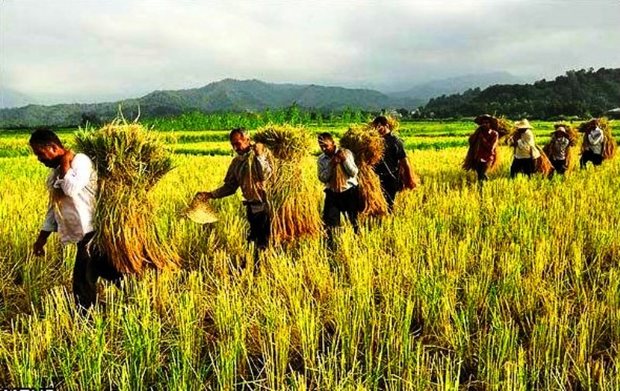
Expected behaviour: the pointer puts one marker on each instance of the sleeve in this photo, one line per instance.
(49, 224)
(324, 169)
(230, 183)
(78, 176)
(349, 164)
(263, 167)
(400, 149)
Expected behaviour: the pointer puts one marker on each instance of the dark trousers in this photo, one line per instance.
(559, 166)
(346, 202)
(481, 171)
(589, 156)
(390, 186)
(523, 166)
(90, 264)
(260, 227)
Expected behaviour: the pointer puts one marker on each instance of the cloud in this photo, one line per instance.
(76, 50)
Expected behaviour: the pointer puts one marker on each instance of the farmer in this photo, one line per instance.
(394, 161)
(482, 153)
(248, 170)
(338, 172)
(525, 150)
(593, 145)
(558, 148)
(72, 184)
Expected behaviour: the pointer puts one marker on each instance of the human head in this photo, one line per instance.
(327, 143)
(47, 147)
(486, 121)
(382, 125)
(239, 140)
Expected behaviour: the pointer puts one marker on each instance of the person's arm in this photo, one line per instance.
(261, 162)
(230, 185)
(349, 164)
(49, 226)
(76, 177)
(595, 137)
(324, 169)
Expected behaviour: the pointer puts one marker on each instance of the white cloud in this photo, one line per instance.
(86, 50)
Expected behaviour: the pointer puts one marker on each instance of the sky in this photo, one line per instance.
(87, 50)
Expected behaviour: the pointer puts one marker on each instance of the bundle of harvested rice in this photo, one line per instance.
(129, 160)
(609, 147)
(293, 198)
(367, 147)
(503, 126)
(543, 164)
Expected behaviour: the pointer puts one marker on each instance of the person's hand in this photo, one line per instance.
(38, 248)
(65, 163)
(258, 148)
(340, 156)
(336, 160)
(203, 195)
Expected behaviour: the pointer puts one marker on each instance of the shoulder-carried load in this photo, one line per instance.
(130, 160)
(294, 201)
(367, 147)
(609, 143)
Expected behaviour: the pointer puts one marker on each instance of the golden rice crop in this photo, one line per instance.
(129, 160)
(291, 193)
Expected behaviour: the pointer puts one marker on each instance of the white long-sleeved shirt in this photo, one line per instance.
(595, 140)
(525, 147)
(326, 170)
(72, 200)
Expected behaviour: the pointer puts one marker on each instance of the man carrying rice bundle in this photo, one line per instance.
(72, 184)
(392, 164)
(482, 154)
(248, 170)
(593, 147)
(528, 158)
(559, 147)
(338, 172)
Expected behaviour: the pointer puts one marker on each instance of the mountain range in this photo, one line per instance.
(237, 95)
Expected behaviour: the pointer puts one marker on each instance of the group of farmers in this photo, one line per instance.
(528, 157)
(72, 181)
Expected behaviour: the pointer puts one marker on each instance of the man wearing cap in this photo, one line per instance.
(482, 153)
(593, 145)
(558, 147)
(248, 170)
(394, 160)
(525, 150)
(338, 172)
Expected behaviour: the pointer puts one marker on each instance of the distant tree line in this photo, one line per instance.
(582, 93)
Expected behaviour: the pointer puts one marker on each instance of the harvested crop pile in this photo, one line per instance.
(367, 147)
(292, 195)
(129, 160)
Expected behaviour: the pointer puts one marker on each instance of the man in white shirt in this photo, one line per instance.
(72, 185)
(593, 146)
(525, 150)
(338, 172)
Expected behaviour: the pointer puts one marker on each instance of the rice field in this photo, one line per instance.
(511, 286)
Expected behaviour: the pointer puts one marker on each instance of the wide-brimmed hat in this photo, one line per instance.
(523, 124)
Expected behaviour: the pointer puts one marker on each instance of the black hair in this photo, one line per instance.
(380, 120)
(240, 131)
(45, 137)
(325, 136)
